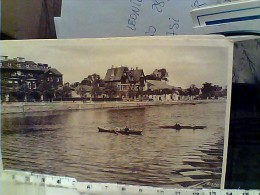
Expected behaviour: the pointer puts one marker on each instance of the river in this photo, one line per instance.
(68, 143)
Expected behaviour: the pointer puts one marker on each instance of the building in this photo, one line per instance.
(161, 91)
(23, 80)
(130, 83)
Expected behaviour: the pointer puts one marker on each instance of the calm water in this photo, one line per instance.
(68, 143)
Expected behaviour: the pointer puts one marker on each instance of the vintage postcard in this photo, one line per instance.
(146, 111)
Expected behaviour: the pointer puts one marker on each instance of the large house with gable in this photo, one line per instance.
(130, 83)
(21, 78)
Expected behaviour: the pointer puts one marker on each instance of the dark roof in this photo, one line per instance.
(26, 65)
(137, 74)
(53, 71)
(115, 74)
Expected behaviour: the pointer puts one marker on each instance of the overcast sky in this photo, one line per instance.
(188, 61)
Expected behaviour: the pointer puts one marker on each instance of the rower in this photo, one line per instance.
(177, 126)
(126, 129)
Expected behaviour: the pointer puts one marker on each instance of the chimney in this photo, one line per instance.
(112, 75)
(136, 68)
(45, 66)
(20, 59)
(4, 58)
(112, 66)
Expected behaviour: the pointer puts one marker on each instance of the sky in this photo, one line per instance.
(188, 60)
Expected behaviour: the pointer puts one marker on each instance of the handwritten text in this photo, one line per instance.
(158, 5)
(197, 4)
(173, 26)
(151, 31)
(135, 12)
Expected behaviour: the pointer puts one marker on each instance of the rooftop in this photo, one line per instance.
(115, 74)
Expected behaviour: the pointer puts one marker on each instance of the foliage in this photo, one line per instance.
(22, 92)
(81, 90)
(132, 93)
(110, 90)
(210, 91)
(5, 88)
(94, 81)
(193, 90)
(64, 91)
(158, 74)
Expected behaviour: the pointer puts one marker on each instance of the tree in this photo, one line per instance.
(81, 90)
(22, 92)
(91, 79)
(211, 91)
(62, 92)
(34, 95)
(95, 81)
(158, 74)
(193, 90)
(5, 88)
(216, 91)
(46, 90)
(132, 93)
(110, 90)
(206, 90)
(163, 74)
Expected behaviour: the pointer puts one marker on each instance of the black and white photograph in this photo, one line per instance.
(148, 111)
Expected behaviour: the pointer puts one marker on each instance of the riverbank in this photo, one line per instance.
(25, 107)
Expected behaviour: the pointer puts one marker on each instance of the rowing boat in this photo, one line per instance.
(120, 131)
(179, 127)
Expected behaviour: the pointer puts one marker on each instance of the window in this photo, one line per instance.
(18, 73)
(29, 85)
(27, 66)
(58, 79)
(16, 82)
(33, 85)
(19, 65)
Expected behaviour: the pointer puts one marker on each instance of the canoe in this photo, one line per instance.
(179, 127)
(120, 131)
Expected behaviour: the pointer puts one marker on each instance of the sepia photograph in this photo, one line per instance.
(148, 111)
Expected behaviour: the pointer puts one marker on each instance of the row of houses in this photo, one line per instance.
(133, 84)
(23, 80)
(130, 84)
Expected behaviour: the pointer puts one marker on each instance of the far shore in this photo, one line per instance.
(25, 107)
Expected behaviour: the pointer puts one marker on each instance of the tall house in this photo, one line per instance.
(129, 82)
(19, 76)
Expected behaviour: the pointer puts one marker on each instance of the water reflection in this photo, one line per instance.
(68, 143)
